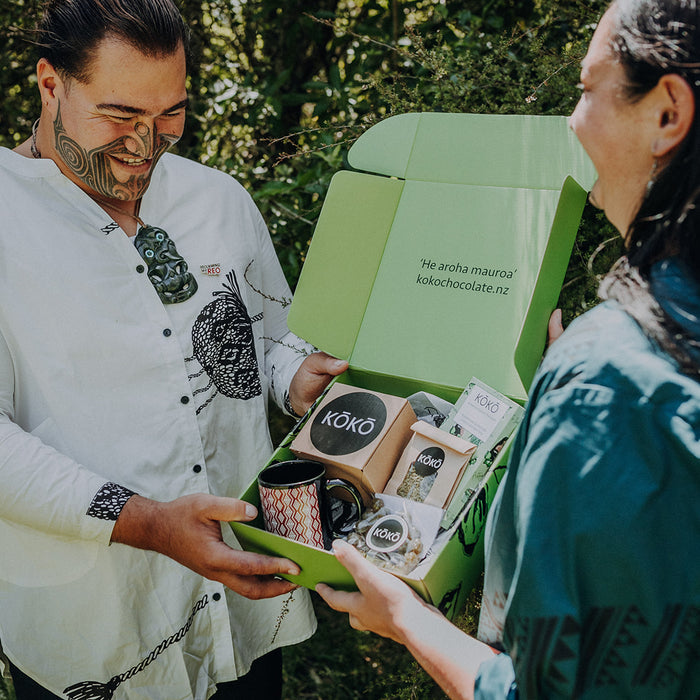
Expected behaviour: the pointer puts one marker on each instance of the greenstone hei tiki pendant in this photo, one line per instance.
(167, 269)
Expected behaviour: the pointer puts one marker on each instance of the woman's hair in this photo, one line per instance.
(653, 38)
(70, 30)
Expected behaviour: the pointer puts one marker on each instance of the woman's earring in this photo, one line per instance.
(652, 175)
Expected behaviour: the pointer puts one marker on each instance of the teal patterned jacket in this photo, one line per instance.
(592, 584)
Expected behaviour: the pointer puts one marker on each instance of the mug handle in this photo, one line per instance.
(356, 497)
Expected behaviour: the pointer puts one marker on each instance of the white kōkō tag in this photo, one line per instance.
(395, 533)
(481, 412)
(387, 534)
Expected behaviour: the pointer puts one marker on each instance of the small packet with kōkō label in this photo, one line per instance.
(430, 466)
(486, 418)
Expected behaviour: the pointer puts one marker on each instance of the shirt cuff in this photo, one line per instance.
(97, 522)
(108, 502)
(287, 407)
(495, 680)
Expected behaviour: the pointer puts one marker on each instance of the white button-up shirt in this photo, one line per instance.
(101, 383)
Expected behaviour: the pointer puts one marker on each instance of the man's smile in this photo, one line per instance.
(132, 162)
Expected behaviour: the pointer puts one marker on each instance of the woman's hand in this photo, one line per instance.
(385, 605)
(555, 327)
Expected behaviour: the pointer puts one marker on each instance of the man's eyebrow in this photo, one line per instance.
(127, 109)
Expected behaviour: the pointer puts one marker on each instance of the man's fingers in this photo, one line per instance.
(252, 575)
(252, 564)
(259, 587)
(228, 509)
(322, 363)
(312, 377)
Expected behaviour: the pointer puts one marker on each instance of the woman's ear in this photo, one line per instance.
(675, 112)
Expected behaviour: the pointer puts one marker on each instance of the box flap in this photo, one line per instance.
(433, 433)
(452, 270)
(334, 288)
(535, 152)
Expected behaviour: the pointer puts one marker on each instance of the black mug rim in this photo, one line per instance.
(319, 474)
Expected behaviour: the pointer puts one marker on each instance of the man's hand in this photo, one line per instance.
(188, 530)
(313, 376)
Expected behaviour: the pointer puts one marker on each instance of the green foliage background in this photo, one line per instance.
(280, 90)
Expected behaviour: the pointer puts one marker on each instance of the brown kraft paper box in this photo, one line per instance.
(358, 434)
(430, 466)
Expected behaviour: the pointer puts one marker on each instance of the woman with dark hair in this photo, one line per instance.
(592, 583)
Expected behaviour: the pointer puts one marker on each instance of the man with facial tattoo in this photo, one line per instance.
(142, 328)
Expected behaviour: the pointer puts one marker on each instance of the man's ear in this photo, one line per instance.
(50, 85)
(675, 112)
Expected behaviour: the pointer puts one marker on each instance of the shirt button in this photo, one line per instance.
(167, 332)
(197, 468)
(184, 399)
(140, 268)
(217, 596)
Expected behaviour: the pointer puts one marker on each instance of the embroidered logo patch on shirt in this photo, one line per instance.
(213, 270)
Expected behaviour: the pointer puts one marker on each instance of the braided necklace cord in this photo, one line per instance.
(35, 151)
(94, 690)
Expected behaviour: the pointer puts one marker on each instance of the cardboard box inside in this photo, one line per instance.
(358, 435)
(441, 260)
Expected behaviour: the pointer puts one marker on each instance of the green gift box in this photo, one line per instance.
(438, 258)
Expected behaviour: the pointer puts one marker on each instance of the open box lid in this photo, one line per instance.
(442, 256)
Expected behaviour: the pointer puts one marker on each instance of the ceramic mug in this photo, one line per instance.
(296, 503)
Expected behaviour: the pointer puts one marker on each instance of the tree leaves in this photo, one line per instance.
(279, 92)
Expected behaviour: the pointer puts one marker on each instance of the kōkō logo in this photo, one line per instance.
(387, 534)
(348, 424)
(488, 403)
(429, 461)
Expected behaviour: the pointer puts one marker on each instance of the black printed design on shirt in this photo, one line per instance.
(223, 344)
(609, 634)
(109, 501)
(474, 521)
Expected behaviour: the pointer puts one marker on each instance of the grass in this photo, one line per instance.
(340, 663)
(6, 692)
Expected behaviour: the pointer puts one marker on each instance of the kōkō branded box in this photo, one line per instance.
(438, 259)
(358, 434)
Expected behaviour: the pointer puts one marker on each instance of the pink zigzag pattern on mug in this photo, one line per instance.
(293, 513)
